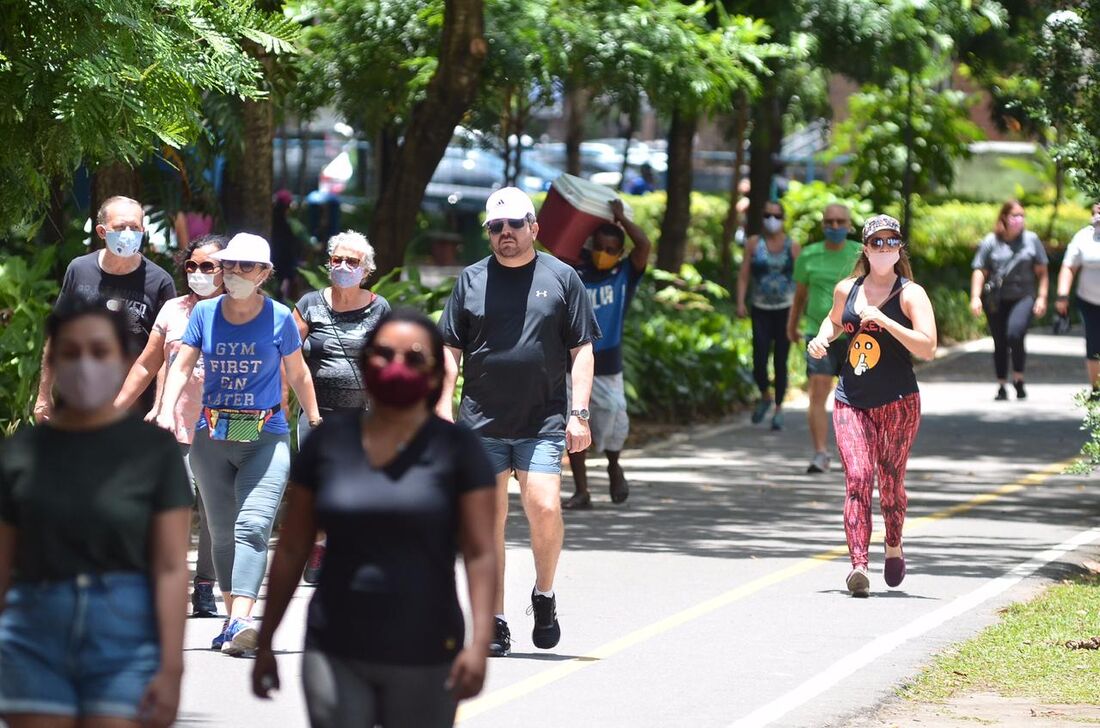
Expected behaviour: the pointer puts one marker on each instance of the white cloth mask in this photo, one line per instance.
(773, 224)
(238, 287)
(883, 263)
(344, 277)
(87, 383)
(202, 283)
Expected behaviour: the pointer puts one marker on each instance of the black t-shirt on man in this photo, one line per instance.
(516, 327)
(387, 588)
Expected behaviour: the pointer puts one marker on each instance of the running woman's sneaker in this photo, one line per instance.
(893, 571)
(761, 409)
(858, 583)
(1002, 394)
(218, 641)
(819, 464)
(313, 567)
(203, 603)
(777, 421)
(502, 639)
(241, 638)
(547, 631)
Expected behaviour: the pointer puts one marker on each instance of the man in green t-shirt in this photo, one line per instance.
(816, 272)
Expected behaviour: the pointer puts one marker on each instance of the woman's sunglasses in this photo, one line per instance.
(336, 260)
(207, 266)
(244, 266)
(496, 226)
(880, 243)
(414, 358)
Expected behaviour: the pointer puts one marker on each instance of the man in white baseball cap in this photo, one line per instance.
(523, 320)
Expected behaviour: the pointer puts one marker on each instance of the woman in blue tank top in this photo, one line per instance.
(877, 413)
(769, 262)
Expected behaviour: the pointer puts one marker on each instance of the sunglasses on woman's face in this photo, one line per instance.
(207, 266)
(880, 243)
(413, 357)
(336, 260)
(244, 266)
(497, 226)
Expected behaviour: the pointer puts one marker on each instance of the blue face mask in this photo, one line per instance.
(124, 243)
(836, 235)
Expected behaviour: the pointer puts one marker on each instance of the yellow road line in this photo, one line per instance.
(528, 685)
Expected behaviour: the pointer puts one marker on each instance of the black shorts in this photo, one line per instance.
(828, 365)
(1090, 317)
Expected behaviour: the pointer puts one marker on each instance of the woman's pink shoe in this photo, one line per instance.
(893, 573)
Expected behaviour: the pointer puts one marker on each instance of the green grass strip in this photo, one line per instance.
(1025, 655)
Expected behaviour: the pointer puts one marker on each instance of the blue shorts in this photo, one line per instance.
(79, 647)
(527, 454)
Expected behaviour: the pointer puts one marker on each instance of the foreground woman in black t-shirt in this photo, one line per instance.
(398, 492)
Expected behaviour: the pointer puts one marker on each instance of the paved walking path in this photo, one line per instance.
(715, 596)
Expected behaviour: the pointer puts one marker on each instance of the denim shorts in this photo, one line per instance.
(86, 646)
(528, 454)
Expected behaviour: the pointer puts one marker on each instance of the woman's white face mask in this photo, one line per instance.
(883, 263)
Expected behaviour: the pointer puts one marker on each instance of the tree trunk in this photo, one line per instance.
(576, 111)
(729, 227)
(764, 142)
(681, 137)
(429, 131)
(255, 169)
(284, 175)
(109, 180)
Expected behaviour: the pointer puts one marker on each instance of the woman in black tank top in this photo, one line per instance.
(877, 413)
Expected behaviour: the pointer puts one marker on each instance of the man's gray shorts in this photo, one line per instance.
(607, 408)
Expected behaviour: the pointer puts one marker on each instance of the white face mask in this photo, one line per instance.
(87, 383)
(202, 283)
(124, 243)
(773, 224)
(344, 277)
(883, 263)
(238, 287)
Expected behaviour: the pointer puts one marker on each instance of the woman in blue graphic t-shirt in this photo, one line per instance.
(241, 451)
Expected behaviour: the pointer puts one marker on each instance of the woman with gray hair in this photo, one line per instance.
(334, 322)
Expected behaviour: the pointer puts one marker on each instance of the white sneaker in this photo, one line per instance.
(819, 464)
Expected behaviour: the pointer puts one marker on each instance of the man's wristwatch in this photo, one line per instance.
(580, 414)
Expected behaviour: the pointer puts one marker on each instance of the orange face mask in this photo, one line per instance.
(604, 261)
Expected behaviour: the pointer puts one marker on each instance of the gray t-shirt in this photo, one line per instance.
(1084, 253)
(516, 327)
(331, 348)
(1018, 257)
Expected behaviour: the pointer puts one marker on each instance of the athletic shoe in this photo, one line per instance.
(547, 631)
(894, 570)
(1020, 393)
(761, 409)
(241, 638)
(203, 603)
(218, 641)
(777, 421)
(619, 489)
(313, 567)
(819, 464)
(858, 583)
(1002, 394)
(502, 639)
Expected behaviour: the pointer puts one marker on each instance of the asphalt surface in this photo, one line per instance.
(715, 596)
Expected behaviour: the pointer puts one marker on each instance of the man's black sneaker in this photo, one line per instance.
(547, 631)
(203, 603)
(502, 640)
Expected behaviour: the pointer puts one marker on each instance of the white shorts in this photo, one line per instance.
(607, 408)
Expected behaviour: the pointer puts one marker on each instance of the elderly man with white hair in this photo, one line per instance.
(334, 322)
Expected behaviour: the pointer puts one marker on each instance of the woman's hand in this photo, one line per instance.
(160, 701)
(467, 673)
(976, 307)
(1061, 305)
(817, 348)
(742, 310)
(165, 421)
(151, 415)
(265, 673)
(873, 314)
(1040, 307)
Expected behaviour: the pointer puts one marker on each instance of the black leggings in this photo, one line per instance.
(769, 329)
(1008, 327)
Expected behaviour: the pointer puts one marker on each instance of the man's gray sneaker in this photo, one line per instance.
(819, 464)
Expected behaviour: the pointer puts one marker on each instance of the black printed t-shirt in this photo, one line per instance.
(332, 347)
(387, 588)
(516, 327)
(83, 501)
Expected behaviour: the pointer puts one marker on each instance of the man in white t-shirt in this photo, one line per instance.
(1083, 254)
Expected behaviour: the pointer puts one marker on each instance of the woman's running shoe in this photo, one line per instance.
(313, 567)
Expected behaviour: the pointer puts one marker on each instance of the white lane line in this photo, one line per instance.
(885, 644)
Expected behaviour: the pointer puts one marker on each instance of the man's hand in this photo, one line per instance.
(617, 210)
(160, 701)
(467, 673)
(742, 310)
(42, 411)
(265, 673)
(577, 435)
(1061, 305)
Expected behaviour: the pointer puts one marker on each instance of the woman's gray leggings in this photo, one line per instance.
(242, 484)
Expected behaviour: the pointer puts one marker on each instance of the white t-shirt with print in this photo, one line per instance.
(1084, 253)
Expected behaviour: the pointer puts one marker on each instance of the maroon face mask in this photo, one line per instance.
(396, 384)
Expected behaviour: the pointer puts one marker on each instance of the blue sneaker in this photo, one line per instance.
(241, 638)
(762, 407)
(218, 641)
(203, 603)
(777, 421)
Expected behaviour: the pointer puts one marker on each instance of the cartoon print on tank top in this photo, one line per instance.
(864, 354)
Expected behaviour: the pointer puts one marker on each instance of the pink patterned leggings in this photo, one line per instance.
(875, 442)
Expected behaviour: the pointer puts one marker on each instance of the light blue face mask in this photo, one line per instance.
(124, 243)
(836, 235)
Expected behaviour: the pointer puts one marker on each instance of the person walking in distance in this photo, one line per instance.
(334, 322)
(1083, 256)
(768, 262)
(521, 320)
(94, 515)
(204, 278)
(1008, 267)
(889, 320)
(399, 491)
(241, 451)
(816, 272)
(611, 281)
(121, 277)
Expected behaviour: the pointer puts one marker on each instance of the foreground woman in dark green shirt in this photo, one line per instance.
(94, 521)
